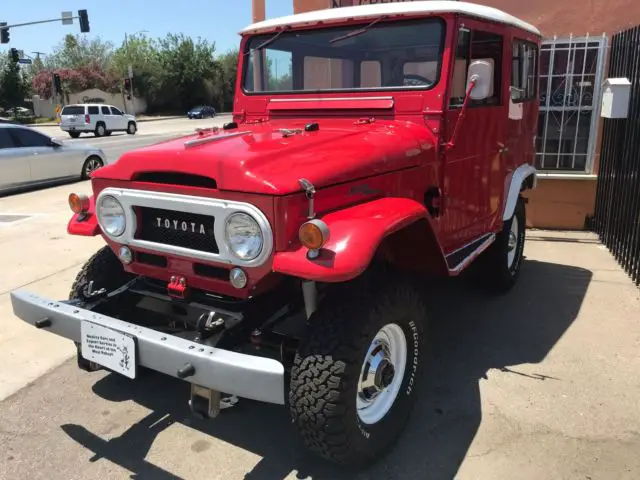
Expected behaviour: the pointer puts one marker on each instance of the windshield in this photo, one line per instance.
(386, 55)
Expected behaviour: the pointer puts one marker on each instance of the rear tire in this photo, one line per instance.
(100, 130)
(345, 412)
(500, 265)
(74, 134)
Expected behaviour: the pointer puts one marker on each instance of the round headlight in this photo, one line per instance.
(244, 236)
(111, 216)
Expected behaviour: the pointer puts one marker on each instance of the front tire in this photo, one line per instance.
(90, 165)
(104, 270)
(131, 128)
(355, 375)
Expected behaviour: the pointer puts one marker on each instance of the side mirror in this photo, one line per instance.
(480, 71)
(56, 143)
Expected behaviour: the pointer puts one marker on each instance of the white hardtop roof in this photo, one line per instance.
(333, 15)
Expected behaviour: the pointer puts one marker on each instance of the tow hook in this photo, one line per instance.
(206, 403)
(89, 293)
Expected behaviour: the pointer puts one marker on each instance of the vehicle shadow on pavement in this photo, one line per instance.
(471, 333)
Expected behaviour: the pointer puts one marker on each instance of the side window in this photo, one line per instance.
(93, 110)
(115, 111)
(5, 139)
(29, 138)
(524, 71)
(105, 110)
(477, 45)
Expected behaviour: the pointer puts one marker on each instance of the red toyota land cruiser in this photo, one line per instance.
(275, 258)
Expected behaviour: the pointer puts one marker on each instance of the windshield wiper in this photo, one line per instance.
(355, 33)
(269, 41)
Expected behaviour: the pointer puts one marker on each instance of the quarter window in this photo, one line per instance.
(93, 110)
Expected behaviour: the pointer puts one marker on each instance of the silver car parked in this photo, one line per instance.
(30, 158)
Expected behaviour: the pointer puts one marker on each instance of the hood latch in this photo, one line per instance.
(310, 192)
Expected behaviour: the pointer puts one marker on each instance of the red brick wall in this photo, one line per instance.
(552, 17)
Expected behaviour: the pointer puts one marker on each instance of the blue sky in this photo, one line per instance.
(112, 19)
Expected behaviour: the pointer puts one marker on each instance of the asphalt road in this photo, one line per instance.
(541, 383)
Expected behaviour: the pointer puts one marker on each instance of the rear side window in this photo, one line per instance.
(73, 110)
(94, 110)
(5, 139)
(105, 110)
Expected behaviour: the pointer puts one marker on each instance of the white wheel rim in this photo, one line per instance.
(381, 374)
(512, 245)
(101, 130)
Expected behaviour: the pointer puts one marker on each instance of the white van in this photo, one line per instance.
(99, 119)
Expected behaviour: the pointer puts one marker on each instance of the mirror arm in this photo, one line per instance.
(452, 142)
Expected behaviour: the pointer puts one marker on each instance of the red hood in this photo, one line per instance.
(266, 161)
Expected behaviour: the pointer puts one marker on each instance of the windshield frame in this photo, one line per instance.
(246, 57)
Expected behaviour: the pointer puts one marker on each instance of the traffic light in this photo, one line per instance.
(84, 21)
(57, 84)
(14, 56)
(4, 33)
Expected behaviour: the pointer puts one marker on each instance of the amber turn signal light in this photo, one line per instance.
(314, 234)
(79, 203)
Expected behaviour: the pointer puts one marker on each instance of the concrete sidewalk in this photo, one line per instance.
(542, 383)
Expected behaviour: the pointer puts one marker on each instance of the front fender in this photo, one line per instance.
(88, 226)
(356, 233)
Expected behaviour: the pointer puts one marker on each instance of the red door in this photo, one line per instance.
(473, 168)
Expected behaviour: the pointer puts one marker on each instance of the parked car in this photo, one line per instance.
(29, 158)
(99, 119)
(202, 111)
(279, 257)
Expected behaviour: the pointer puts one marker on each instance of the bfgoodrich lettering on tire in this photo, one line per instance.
(355, 375)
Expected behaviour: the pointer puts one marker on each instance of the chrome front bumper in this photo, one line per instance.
(234, 373)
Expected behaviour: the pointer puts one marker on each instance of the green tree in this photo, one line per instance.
(229, 68)
(14, 87)
(76, 51)
(141, 53)
(190, 76)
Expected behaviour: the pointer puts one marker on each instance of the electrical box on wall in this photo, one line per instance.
(615, 98)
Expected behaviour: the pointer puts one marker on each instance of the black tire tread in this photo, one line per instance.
(104, 269)
(321, 376)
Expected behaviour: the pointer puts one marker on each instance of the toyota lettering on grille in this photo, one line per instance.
(181, 226)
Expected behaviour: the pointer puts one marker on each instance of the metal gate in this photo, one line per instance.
(617, 214)
(571, 71)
